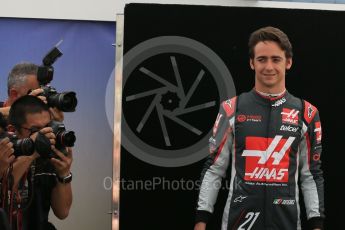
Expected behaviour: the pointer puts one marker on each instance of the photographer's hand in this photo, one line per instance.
(22, 163)
(37, 92)
(6, 156)
(61, 200)
(48, 132)
(200, 226)
(62, 165)
(56, 114)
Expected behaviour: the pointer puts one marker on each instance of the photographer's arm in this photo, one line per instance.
(6, 156)
(61, 199)
(5, 110)
(20, 167)
(200, 226)
(22, 163)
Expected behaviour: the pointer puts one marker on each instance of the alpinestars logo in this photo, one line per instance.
(267, 159)
(289, 116)
(229, 103)
(239, 199)
(310, 111)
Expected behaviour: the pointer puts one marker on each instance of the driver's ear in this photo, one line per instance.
(288, 63)
(251, 63)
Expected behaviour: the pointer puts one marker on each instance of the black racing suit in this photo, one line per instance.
(273, 146)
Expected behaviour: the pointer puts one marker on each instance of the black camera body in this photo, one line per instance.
(26, 146)
(66, 101)
(63, 139)
(21, 147)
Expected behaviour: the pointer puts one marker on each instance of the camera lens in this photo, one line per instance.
(66, 102)
(66, 138)
(23, 147)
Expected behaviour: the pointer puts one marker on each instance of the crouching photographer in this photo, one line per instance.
(6, 150)
(42, 179)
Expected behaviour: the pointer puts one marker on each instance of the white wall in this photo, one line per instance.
(106, 10)
(100, 10)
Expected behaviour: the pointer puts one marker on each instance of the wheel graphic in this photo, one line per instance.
(172, 87)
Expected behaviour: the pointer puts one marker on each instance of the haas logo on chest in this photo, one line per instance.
(267, 159)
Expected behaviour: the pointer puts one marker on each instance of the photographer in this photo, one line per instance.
(40, 182)
(21, 80)
(6, 157)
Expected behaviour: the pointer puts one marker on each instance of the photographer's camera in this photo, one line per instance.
(63, 139)
(65, 101)
(21, 147)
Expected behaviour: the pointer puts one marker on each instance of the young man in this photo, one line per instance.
(38, 183)
(271, 140)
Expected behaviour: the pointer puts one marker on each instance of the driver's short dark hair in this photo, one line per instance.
(272, 34)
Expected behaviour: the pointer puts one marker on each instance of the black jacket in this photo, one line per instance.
(273, 146)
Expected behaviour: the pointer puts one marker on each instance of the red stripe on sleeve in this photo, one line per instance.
(221, 145)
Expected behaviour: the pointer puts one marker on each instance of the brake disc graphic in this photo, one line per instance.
(156, 104)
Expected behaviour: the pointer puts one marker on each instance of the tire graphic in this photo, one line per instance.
(172, 87)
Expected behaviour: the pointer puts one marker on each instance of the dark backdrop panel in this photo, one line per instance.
(318, 41)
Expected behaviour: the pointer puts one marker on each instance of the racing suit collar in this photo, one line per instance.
(270, 95)
(269, 100)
